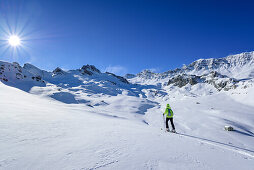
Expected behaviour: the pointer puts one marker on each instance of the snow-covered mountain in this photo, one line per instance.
(86, 119)
(234, 71)
(239, 66)
(14, 75)
(58, 83)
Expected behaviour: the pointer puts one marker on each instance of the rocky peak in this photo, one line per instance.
(147, 74)
(58, 71)
(89, 69)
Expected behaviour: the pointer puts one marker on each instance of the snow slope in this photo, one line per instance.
(41, 133)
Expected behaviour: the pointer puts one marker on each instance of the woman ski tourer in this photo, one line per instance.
(169, 116)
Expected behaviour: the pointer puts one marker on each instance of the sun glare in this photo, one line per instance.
(14, 40)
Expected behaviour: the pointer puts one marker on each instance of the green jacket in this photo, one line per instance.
(168, 112)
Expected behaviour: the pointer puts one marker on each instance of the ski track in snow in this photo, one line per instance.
(236, 149)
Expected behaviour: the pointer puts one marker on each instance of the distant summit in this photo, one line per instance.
(89, 69)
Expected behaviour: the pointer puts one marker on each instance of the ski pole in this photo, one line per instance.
(164, 126)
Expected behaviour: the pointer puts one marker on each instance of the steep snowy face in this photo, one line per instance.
(36, 71)
(14, 75)
(236, 66)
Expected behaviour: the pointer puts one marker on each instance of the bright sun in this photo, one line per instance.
(14, 40)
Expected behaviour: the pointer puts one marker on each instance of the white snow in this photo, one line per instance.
(41, 133)
(79, 121)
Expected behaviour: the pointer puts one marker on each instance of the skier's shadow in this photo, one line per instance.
(216, 142)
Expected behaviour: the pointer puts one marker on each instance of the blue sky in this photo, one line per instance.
(124, 35)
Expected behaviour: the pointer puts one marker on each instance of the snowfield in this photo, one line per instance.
(83, 119)
(41, 133)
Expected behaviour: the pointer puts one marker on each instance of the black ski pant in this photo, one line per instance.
(171, 121)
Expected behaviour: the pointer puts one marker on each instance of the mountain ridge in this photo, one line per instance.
(201, 77)
(239, 66)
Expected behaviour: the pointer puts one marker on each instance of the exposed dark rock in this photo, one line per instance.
(17, 66)
(4, 79)
(215, 74)
(89, 69)
(37, 78)
(19, 76)
(112, 82)
(58, 71)
(219, 81)
(89, 105)
(182, 80)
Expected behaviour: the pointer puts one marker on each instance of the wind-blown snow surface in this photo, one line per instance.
(85, 119)
(41, 133)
